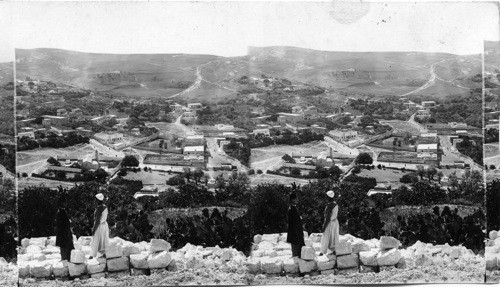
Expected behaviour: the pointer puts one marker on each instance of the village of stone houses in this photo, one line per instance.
(197, 157)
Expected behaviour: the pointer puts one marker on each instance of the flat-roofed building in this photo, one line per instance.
(428, 104)
(194, 150)
(343, 135)
(54, 120)
(432, 148)
(29, 134)
(194, 140)
(109, 138)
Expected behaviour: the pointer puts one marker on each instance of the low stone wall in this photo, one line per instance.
(492, 251)
(272, 255)
(40, 258)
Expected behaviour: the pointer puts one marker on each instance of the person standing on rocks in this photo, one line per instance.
(331, 234)
(295, 235)
(64, 237)
(100, 232)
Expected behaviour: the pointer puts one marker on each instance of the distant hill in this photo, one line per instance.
(214, 78)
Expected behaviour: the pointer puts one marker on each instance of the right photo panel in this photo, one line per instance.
(492, 157)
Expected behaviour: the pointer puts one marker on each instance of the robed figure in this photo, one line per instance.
(64, 237)
(295, 235)
(331, 234)
(100, 232)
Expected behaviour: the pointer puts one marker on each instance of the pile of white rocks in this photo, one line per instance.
(8, 273)
(492, 251)
(427, 254)
(272, 255)
(40, 258)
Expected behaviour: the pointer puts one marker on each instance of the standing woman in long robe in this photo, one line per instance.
(100, 239)
(64, 238)
(331, 234)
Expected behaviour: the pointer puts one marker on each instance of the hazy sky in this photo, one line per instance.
(228, 28)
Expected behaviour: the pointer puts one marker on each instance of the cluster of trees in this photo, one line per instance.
(241, 149)
(384, 109)
(51, 140)
(472, 149)
(491, 136)
(266, 207)
(493, 205)
(465, 109)
(8, 157)
(150, 112)
(8, 224)
(319, 172)
(440, 227)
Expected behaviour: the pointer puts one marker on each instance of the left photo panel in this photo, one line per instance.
(8, 214)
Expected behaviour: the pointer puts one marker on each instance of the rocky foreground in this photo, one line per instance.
(356, 261)
(8, 273)
(492, 255)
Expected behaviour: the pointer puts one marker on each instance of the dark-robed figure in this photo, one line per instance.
(331, 234)
(295, 235)
(100, 232)
(64, 237)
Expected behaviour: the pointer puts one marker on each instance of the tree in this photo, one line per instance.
(295, 171)
(197, 174)
(364, 158)
(421, 171)
(130, 160)
(186, 172)
(53, 161)
(439, 176)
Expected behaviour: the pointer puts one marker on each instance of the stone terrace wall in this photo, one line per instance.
(40, 258)
(492, 251)
(272, 255)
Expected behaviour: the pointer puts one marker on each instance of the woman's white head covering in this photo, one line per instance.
(100, 196)
(330, 193)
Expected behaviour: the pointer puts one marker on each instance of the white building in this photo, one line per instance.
(428, 104)
(343, 136)
(264, 132)
(429, 148)
(194, 150)
(109, 138)
(423, 114)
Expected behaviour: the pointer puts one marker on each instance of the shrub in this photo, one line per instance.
(492, 166)
(259, 171)
(356, 169)
(364, 158)
(130, 160)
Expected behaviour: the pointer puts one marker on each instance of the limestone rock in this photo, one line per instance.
(253, 265)
(265, 245)
(129, 248)
(324, 263)
(51, 249)
(173, 266)
(306, 266)
(77, 256)
(291, 265)
(401, 263)
(39, 257)
(85, 240)
(139, 261)
(40, 241)
(118, 264)
(388, 257)
(343, 248)
(423, 260)
(25, 242)
(316, 246)
(257, 238)
(226, 255)
(273, 238)
(369, 258)
(114, 251)
(157, 245)
(24, 257)
(359, 246)
(60, 269)
(493, 234)
(270, 253)
(307, 253)
(94, 266)
(347, 261)
(40, 269)
(316, 237)
(389, 242)
(282, 246)
(159, 260)
(491, 261)
(33, 249)
(284, 253)
(271, 265)
(455, 253)
(23, 269)
(118, 274)
(308, 242)
(76, 270)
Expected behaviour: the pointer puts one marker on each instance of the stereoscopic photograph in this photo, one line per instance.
(254, 143)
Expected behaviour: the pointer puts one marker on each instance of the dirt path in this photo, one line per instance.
(429, 83)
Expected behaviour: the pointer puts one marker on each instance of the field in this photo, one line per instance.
(257, 179)
(149, 177)
(269, 158)
(384, 176)
(402, 126)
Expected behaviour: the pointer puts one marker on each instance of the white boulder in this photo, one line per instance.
(159, 260)
(77, 256)
(118, 264)
(388, 257)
